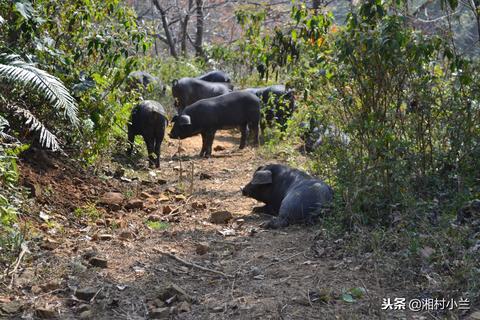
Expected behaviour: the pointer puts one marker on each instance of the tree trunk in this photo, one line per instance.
(199, 35)
(168, 34)
(185, 28)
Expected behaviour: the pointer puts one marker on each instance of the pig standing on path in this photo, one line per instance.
(235, 109)
(148, 120)
(290, 194)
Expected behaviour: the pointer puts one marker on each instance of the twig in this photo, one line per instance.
(191, 177)
(93, 298)
(194, 265)
(286, 259)
(19, 259)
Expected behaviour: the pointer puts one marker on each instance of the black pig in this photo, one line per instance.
(290, 194)
(215, 76)
(142, 78)
(148, 120)
(235, 109)
(278, 104)
(189, 90)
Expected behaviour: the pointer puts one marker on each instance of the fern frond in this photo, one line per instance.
(4, 136)
(15, 70)
(46, 138)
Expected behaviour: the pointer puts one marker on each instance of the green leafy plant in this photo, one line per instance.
(157, 225)
(17, 72)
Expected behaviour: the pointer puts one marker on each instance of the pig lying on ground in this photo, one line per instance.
(290, 194)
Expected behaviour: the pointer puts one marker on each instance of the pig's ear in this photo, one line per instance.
(174, 82)
(262, 177)
(184, 120)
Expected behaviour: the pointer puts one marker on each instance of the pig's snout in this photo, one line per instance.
(244, 190)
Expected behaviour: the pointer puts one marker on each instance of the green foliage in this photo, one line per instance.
(157, 225)
(409, 105)
(17, 72)
(10, 202)
(91, 46)
(88, 211)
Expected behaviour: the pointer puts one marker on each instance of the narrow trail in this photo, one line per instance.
(193, 268)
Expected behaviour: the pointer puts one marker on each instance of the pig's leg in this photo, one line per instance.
(131, 140)
(209, 142)
(243, 138)
(150, 142)
(158, 144)
(204, 144)
(254, 127)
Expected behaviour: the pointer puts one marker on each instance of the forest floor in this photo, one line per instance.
(141, 244)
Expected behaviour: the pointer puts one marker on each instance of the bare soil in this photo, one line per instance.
(234, 270)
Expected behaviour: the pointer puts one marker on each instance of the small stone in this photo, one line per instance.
(83, 307)
(198, 205)
(113, 200)
(201, 248)
(217, 309)
(134, 204)
(154, 217)
(119, 172)
(255, 271)
(145, 195)
(220, 217)
(126, 234)
(78, 267)
(52, 285)
(167, 210)
(426, 252)
(86, 294)
(180, 197)
(35, 290)
(98, 262)
(105, 237)
(183, 307)
(44, 313)
(219, 148)
(87, 314)
(49, 244)
(205, 176)
(173, 290)
(160, 313)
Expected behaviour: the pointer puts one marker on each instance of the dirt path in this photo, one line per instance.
(295, 273)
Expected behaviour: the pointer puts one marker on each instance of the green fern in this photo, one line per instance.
(3, 136)
(18, 72)
(46, 138)
(15, 70)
